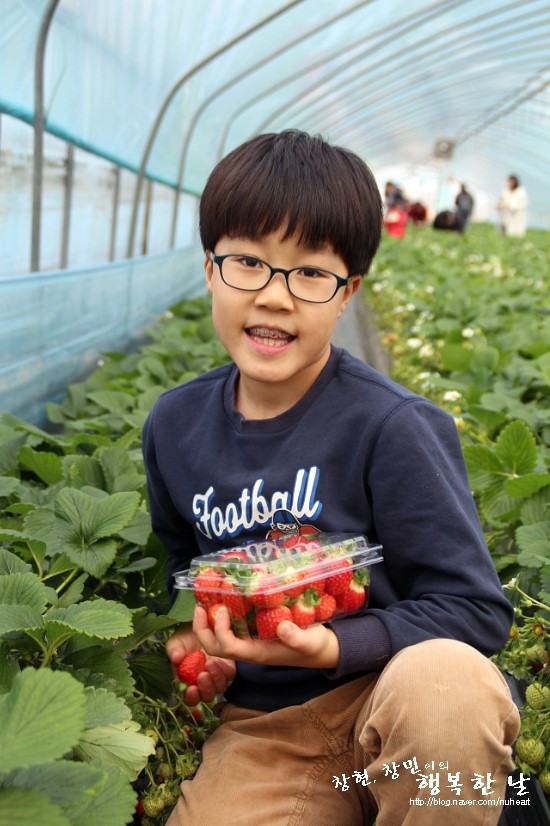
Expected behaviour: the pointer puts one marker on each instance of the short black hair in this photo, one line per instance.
(299, 183)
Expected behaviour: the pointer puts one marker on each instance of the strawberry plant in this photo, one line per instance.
(89, 713)
(466, 321)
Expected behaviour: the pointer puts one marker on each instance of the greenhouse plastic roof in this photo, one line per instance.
(170, 86)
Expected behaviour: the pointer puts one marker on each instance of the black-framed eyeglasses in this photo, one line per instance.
(246, 272)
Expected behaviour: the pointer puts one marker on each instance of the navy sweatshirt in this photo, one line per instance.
(358, 453)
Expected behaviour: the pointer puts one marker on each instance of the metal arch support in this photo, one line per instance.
(39, 121)
(168, 100)
(224, 88)
(359, 96)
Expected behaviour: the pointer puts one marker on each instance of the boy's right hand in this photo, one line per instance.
(216, 677)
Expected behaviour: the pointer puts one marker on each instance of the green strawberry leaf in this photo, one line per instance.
(100, 618)
(27, 807)
(8, 485)
(82, 519)
(44, 464)
(484, 466)
(41, 718)
(12, 564)
(63, 781)
(119, 745)
(103, 708)
(112, 804)
(516, 448)
(23, 589)
(525, 486)
(534, 541)
(19, 618)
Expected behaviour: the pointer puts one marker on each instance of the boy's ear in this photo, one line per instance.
(349, 290)
(208, 271)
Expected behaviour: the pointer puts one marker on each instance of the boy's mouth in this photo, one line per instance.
(269, 336)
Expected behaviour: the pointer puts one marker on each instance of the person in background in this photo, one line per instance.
(513, 208)
(464, 204)
(449, 220)
(418, 214)
(395, 219)
(392, 193)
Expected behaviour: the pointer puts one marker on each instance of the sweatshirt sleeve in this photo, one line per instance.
(437, 567)
(175, 533)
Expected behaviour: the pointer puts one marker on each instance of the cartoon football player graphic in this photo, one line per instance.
(285, 524)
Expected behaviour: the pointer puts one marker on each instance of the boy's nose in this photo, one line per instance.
(275, 292)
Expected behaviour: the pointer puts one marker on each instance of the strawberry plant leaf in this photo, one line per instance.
(64, 781)
(484, 466)
(100, 618)
(113, 804)
(103, 708)
(534, 540)
(525, 486)
(183, 606)
(41, 718)
(23, 589)
(456, 358)
(497, 507)
(83, 519)
(27, 807)
(120, 472)
(536, 508)
(19, 618)
(100, 667)
(516, 448)
(82, 470)
(94, 558)
(44, 464)
(119, 745)
(8, 485)
(9, 668)
(12, 564)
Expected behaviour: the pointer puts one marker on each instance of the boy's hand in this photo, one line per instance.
(212, 681)
(314, 647)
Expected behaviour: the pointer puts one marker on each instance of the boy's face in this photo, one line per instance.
(279, 343)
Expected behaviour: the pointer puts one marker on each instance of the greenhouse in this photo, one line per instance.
(113, 114)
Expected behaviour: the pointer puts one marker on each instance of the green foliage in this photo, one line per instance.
(466, 320)
(84, 611)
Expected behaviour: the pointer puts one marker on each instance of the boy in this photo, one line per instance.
(373, 715)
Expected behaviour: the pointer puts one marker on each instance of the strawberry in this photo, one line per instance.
(326, 608)
(212, 612)
(205, 584)
(303, 611)
(294, 584)
(191, 666)
(340, 576)
(263, 593)
(235, 601)
(268, 619)
(352, 598)
(530, 750)
(537, 695)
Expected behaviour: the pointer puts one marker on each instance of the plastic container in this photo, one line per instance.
(304, 579)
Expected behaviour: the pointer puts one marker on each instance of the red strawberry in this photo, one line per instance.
(263, 593)
(213, 611)
(268, 619)
(340, 576)
(303, 611)
(294, 584)
(353, 597)
(191, 666)
(205, 584)
(235, 601)
(326, 608)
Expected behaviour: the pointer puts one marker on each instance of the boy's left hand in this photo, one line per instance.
(314, 647)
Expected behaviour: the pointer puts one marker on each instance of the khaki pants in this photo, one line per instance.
(439, 715)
